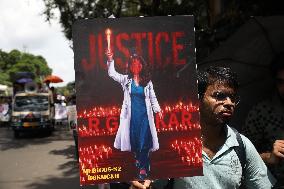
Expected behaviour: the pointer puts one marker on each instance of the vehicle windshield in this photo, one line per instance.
(31, 103)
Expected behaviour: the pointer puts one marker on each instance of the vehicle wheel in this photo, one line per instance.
(16, 134)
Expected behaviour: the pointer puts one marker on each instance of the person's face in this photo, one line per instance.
(135, 66)
(218, 104)
(280, 83)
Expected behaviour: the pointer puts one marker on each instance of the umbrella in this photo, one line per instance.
(53, 79)
(249, 52)
(24, 80)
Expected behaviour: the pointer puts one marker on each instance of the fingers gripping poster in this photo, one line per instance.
(136, 99)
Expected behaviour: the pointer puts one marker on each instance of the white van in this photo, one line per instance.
(32, 111)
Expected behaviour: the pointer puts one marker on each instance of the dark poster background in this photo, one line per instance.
(167, 44)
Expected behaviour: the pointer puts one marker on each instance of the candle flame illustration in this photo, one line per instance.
(108, 34)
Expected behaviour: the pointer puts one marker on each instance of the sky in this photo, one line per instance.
(23, 27)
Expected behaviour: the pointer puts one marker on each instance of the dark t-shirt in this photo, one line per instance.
(264, 125)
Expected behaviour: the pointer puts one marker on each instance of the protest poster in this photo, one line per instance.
(4, 112)
(60, 112)
(137, 102)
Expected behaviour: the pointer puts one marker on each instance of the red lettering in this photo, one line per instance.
(173, 121)
(150, 48)
(101, 52)
(94, 124)
(119, 38)
(159, 122)
(158, 47)
(112, 123)
(186, 118)
(92, 50)
(138, 39)
(163, 48)
(177, 47)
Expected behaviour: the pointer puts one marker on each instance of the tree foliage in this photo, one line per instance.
(73, 10)
(215, 20)
(16, 61)
(67, 90)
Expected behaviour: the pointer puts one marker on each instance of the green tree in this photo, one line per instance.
(4, 79)
(16, 61)
(73, 10)
(67, 90)
(215, 20)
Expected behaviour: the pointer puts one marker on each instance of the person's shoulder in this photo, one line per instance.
(247, 143)
(150, 83)
(249, 146)
(126, 79)
(256, 166)
(245, 140)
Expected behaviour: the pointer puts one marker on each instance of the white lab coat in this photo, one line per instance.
(122, 139)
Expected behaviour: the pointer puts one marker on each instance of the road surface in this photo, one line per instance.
(38, 161)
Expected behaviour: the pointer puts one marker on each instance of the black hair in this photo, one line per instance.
(277, 64)
(212, 74)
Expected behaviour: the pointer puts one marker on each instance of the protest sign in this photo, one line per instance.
(136, 99)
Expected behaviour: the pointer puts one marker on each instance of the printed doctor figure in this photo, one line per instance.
(137, 132)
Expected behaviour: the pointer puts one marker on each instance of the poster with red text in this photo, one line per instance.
(137, 102)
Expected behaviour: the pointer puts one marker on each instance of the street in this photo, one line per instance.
(38, 161)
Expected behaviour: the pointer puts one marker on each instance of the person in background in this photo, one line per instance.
(72, 121)
(54, 95)
(264, 125)
(47, 83)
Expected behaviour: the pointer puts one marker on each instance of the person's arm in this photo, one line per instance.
(276, 154)
(153, 99)
(256, 173)
(111, 69)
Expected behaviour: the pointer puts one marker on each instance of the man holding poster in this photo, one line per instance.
(230, 160)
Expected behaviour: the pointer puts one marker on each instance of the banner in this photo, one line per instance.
(60, 112)
(137, 99)
(4, 112)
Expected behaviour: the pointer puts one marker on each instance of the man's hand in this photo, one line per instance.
(138, 185)
(276, 154)
(109, 55)
(278, 148)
